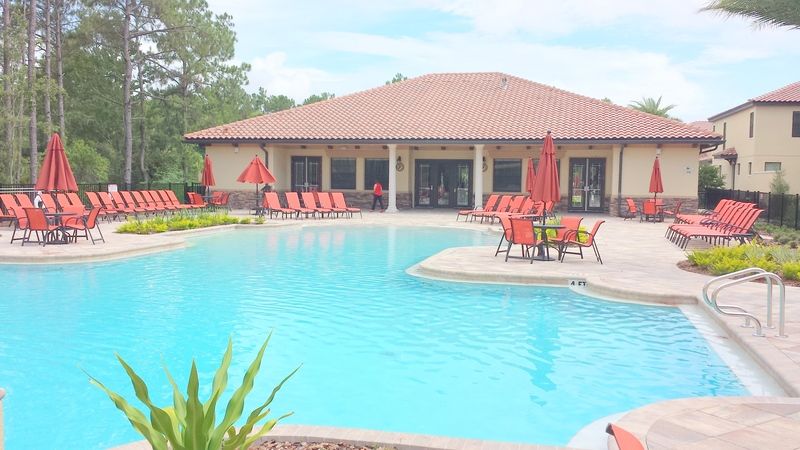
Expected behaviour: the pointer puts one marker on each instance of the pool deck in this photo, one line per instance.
(639, 265)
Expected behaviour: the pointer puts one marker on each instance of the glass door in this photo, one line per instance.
(587, 184)
(443, 183)
(306, 173)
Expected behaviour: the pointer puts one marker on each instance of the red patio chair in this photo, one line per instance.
(632, 210)
(522, 234)
(85, 223)
(571, 226)
(20, 221)
(339, 202)
(37, 223)
(625, 439)
(573, 240)
(505, 222)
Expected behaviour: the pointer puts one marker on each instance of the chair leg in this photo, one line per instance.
(502, 238)
(597, 252)
(508, 250)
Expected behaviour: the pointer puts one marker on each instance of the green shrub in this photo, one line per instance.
(244, 221)
(190, 424)
(175, 223)
(260, 220)
(772, 258)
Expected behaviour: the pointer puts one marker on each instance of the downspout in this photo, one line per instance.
(619, 181)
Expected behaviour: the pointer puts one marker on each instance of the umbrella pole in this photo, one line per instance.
(256, 199)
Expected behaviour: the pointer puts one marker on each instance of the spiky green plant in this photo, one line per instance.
(190, 424)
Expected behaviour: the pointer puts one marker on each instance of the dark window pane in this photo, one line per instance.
(796, 124)
(507, 175)
(343, 173)
(752, 120)
(376, 169)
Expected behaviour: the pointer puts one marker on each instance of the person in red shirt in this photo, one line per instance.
(377, 194)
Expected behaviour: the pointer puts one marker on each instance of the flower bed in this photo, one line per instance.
(182, 222)
(779, 259)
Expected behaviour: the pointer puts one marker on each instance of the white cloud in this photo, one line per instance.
(272, 73)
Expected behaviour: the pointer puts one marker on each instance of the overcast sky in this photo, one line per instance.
(620, 49)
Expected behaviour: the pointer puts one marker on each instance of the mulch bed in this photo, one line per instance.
(689, 267)
(277, 445)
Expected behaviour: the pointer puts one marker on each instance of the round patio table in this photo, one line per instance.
(59, 236)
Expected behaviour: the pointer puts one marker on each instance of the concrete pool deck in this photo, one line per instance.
(640, 265)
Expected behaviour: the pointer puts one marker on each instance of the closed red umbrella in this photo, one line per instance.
(256, 172)
(530, 177)
(56, 175)
(545, 188)
(207, 178)
(656, 186)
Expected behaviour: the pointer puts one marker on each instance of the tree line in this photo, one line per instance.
(121, 81)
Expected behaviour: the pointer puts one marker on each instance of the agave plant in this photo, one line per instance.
(190, 424)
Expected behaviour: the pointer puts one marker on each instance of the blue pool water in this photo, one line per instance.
(380, 349)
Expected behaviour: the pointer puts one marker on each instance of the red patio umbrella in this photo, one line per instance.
(56, 175)
(530, 178)
(207, 178)
(256, 172)
(545, 188)
(656, 186)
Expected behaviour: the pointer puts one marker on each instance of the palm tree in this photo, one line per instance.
(778, 13)
(652, 106)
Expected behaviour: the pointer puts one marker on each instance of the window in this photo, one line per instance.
(752, 120)
(796, 124)
(507, 175)
(343, 173)
(749, 168)
(376, 169)
(738, 169)
(772, 167)
(724, 132)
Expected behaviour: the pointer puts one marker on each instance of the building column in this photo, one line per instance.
(392, 207)
(477, 167)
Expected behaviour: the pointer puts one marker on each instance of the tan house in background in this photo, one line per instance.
(762, 136)
(449, 140)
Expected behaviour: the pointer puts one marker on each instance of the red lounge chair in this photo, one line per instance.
(85, 223)
(75, 199)
(325, 202)
(339, 202)
(63, 201)
(573, 240)
(522, 234)
(293, 202)
(37, 223)
(141, 202)
(311, 203)
(220, 200)
(6, 214)
(95, 201)
(122, 202)
(272, 205)
(24, 201)
(729, 216)
(673, 212)
(716, 213)
(625, 439)
(154, 200)
(740, 228)
(49, 202)
(490, 202)
(502, 206)
(168, 196)
(196, 200)
(116, 201)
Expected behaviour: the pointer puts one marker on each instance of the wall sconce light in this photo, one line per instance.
(484, 166)
(399, 159)
(236, 148)
(399, 166)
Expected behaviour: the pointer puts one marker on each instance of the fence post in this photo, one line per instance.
(769, 206)
(796, 211)
(783, 197)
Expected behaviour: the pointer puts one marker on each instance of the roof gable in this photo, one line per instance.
(487, 106)
(787, 94)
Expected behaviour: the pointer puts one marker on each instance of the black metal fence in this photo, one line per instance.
(779, 209)
(180, 189)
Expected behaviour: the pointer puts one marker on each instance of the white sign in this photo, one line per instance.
(112, 188)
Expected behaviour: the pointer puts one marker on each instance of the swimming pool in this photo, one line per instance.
(380, 349)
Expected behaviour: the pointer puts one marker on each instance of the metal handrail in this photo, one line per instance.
(743, 276)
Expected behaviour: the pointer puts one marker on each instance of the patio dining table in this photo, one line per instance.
(59, 236)
(544, 248)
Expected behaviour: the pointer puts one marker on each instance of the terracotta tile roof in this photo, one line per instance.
(728, 153)
(702, 124)
(787, 94)
(457, 106)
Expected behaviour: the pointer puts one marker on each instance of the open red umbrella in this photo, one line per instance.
(656, 186)
(530, 178)
(207, 179)
(56, 175)
(545, 188)
(256, 172)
